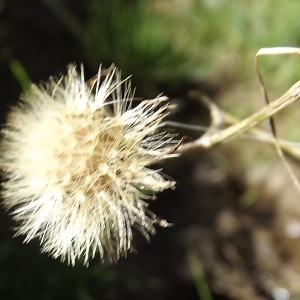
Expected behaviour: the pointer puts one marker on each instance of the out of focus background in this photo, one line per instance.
(236, 213)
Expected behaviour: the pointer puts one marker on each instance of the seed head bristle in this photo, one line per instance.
(76, 158)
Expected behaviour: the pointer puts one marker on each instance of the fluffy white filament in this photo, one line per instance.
(75, 157)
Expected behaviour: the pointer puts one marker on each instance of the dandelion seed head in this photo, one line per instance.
(76, 158)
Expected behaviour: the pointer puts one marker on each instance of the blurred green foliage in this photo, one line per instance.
(171, 40)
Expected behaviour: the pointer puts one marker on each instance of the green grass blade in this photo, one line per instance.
(198, 274)
(20, 74)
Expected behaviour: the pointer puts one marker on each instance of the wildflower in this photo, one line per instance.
(75, 156)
